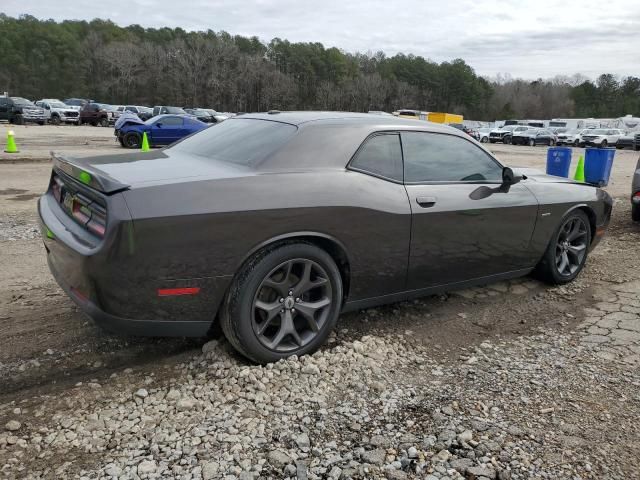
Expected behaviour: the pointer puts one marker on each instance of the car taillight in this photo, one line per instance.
(636, 197)
(98, 222)
(56, 188)
(91, 215)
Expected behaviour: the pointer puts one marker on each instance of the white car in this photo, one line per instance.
(504, 134)
(484, 134)
(572, 136)
(57, 112)
(601, 137)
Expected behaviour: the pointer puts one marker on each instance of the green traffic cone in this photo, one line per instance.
(145, 142)
(11, 143)
(579, 176)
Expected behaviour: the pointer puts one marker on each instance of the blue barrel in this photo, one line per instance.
(558, 161)
(597, 165)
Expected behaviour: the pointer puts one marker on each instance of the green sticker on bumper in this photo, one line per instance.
(50, 234)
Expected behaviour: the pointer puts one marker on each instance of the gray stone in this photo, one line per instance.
(302, 440)
(461, 464)
(12, 425)
(375, 457)
(146, 467)
(278, 458)
(474, 473)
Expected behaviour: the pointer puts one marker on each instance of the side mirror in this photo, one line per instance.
(509, 178)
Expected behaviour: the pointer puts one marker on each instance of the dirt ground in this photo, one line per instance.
(47, 347)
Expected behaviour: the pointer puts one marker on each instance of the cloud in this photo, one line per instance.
(525, 39)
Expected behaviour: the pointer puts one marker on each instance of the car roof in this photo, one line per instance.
(375, 122)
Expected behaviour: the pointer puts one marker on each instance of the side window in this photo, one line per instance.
(173, 121)
(434, 157)
(131, 109)
(380, 155)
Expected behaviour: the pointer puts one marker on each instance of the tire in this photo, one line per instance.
(272, 278)
(507, 140)
(484, 140)
(636, 148)
(131, 140)
(576, 143)
(532, 142)
(41, 122)
(550, 268)
(104, 122)
(55, 120)
(492, 141)
(635, 212)
(604, 144)
(18, 120)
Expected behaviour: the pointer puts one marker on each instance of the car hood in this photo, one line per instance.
(113, 173)
(536, 175)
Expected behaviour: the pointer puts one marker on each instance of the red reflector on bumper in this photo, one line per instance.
(168, 292)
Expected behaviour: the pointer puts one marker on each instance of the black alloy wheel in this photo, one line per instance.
(571, 246)
(291, 305)
(284, 301)
(131, 140)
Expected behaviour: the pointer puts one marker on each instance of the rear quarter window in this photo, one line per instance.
(241, 141)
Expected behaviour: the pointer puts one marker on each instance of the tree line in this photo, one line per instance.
(165, 66)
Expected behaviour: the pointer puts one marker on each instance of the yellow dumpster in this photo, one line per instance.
(439, 117)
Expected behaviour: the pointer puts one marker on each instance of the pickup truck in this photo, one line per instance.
(57, 112)
(97, 114)
(19, 110)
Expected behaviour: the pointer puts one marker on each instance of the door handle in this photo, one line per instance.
(426, 202)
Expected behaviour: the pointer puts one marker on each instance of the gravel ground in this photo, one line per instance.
(515, 380)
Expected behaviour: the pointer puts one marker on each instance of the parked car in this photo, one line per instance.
(628, 140)
(19, 110)
(201, 114)
(635, 194)
(218, 116)
(570, 136)
(57, 112)
(533, 137)
(76, 103)
(264, 225)
(97, 114)
(504, 134)
(484, 133)
(163, 109)
(469, 131)
(161, 130)
(601, 137)
(143, 113)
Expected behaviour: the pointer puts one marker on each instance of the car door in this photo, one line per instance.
(167, 130)
(4, 108)
(465, 223)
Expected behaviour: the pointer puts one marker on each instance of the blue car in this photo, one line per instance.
(161, 129)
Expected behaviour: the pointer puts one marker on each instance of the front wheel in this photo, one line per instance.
(576, 143)
(285, 301)
(55, 120)
(532, 142)
(567, 251)
(131, 140)
(484, 140)
(104, 122)
(603, 144)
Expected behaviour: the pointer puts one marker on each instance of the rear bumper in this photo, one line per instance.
(127, 326)
(70, 263)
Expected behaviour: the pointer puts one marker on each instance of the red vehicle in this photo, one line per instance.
(97, 114)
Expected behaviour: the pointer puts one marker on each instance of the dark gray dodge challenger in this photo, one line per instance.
(270, 225)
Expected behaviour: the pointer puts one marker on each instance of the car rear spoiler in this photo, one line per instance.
(85, 173)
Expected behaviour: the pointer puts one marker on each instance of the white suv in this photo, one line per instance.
(601, 137)
(57, 112)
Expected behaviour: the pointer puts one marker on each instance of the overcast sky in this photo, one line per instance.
(524, 38)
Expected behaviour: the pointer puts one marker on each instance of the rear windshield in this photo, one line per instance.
(242, 141)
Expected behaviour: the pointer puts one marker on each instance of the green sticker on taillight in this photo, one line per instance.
(85, 178)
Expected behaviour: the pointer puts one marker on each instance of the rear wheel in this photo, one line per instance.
(635, 212)
(567, 251)
(284, 302)
(532, 142)
(507, 140)
(131, 140)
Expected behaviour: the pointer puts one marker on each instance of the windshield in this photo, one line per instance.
(57, 105)
(22, 101)
(175, 110)
(240, 141)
